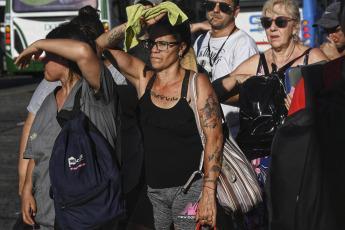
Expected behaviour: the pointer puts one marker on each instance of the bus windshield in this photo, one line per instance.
(25, 6)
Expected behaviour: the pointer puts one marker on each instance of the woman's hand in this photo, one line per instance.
(149, 22)
(207, 208)
(288, 100)
(25, 57)
(28, 205)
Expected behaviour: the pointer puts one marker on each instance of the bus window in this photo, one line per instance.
(49, 5)
(27, 21)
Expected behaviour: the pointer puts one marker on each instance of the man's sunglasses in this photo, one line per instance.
(280, 21)
(332, 30)
(223, 6)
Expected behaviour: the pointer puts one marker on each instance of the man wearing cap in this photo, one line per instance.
(329, 22)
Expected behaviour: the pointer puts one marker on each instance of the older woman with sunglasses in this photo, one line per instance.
(281, 21)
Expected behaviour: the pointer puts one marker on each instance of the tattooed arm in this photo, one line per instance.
(130, 66)
(210, 119)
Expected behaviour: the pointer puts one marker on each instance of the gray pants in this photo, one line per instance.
(172, 206)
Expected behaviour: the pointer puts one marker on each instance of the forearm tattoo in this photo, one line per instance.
(211, 113)
(206, 180)
(215, 168)
(162, 97)
(116, 36)
(218, 155)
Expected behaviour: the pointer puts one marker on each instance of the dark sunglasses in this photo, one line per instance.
(332, 30)
(280, 21)
(223, 6)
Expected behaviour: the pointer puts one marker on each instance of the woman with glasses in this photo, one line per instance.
(172, 143)
(281, 21)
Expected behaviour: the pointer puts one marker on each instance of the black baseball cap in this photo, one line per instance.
(329, 18)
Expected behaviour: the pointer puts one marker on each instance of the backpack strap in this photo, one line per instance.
(198, 44)
(65, 115)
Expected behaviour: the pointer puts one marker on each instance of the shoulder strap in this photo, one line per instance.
(65, 115)
(150, 84)
(288, 65)
(264, 63)
(198, 44)
(193, 97)
(306, 60)
(184, 88)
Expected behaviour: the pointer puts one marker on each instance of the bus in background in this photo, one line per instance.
(311, 10)
(26, 21)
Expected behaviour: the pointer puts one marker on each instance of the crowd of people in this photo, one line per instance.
(160, 142)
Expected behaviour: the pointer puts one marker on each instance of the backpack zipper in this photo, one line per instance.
(84, 200)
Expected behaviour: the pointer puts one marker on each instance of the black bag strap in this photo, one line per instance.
(288, 65)
(263, 63)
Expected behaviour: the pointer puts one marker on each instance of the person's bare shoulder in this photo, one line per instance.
(317, 55)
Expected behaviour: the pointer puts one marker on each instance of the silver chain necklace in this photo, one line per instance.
(274, 62)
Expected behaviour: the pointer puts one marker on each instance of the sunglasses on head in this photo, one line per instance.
(332, 30)
(223, 6)
(280, 21)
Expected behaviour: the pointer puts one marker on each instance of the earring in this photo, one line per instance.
(180, 56)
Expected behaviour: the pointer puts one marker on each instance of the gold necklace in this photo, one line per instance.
(274, 62)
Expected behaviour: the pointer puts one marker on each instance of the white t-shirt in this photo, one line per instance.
(238, 48)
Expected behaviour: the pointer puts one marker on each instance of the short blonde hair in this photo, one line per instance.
(290, 7)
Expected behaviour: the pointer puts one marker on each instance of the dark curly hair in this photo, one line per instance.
(76, 32)
(88, 18)
(180, 32)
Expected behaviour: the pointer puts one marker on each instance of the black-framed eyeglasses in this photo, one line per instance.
(280, 21)
(332, 30)
(223, 6)
(160, 45)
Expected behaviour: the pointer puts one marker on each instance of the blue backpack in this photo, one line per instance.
(86, 183)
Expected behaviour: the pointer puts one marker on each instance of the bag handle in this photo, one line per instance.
(199, 227)
(193, 97)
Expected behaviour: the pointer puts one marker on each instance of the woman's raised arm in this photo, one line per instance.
(76, 51)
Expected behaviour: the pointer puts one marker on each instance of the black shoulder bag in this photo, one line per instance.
(262, 109)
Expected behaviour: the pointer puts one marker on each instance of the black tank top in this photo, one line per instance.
(171, 140)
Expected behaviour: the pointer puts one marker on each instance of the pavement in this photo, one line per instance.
(13, 103)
